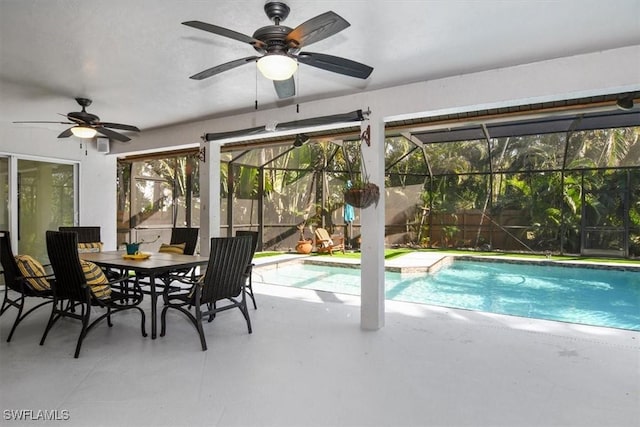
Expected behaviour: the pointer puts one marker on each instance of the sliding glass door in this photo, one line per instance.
(45, 201)
(4, 193)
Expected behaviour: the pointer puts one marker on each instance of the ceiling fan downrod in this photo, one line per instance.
(277, 11)
(84, 102)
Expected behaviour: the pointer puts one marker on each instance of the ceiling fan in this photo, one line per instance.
(87, 125)
(280, 47)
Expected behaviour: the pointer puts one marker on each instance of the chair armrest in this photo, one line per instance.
(324, 243)
(190, 280)
(46, 276)
(118, 280)
(337, 240)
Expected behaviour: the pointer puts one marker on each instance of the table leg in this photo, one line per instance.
(154, 300)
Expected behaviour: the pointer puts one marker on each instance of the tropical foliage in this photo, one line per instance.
(541, 197)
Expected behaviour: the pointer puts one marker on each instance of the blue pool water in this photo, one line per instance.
(598, 297)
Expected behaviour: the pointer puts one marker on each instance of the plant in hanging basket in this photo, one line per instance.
(362, 194)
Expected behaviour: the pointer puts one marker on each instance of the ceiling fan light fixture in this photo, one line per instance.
(277, 66)
(83, 132)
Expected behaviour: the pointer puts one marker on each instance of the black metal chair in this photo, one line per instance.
(17, 283)
(254, 239)
(71, 286)
(86, 234)
(186, 235)
(223, 281)
(90, 235)
(180, 235)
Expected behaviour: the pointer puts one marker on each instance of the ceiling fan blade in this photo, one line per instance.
(316, 29)
(352, 116)
(225, 32)
(335, 64)
(112, 134)
(223, 67)
(285, 88)
(65, 134)
(60, 123)
(119, 126)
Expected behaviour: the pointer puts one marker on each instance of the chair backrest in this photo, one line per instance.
(89, 234)
(185, 235)
(322, 234)
(10, 269)
(228, 261)
(62, 247)
(254, 238)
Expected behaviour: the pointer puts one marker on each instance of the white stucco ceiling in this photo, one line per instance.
(133, 57)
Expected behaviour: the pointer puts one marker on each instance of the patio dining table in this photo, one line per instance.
(155, 265)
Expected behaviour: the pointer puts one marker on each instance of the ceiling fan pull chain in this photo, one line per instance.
(297, 91)
(256, 105)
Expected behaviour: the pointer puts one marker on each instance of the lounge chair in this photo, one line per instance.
(326, 243)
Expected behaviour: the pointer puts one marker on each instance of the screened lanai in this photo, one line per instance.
(562, 178)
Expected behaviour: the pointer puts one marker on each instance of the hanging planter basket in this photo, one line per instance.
(362, 197)
(364, 193)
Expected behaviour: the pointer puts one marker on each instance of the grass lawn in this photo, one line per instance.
(267, 253)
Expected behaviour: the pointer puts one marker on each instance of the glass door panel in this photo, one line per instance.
(45, 202)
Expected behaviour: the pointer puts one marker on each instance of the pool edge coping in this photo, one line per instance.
(405, 266)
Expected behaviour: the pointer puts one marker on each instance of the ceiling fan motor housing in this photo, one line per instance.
(274, 36)
(83, 116)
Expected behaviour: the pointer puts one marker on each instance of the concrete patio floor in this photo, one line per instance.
(308, 363)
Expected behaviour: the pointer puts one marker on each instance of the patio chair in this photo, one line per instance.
(326, 243)
(84, 289)
(20, 286)
(224, 280)
(186, 235)
(86, 234)
(183, 241)
(90, 240)
(254, 240)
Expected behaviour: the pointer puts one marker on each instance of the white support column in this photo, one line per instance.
(372, 221)
(209, 195)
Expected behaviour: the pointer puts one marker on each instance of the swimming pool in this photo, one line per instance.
(598, 297)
